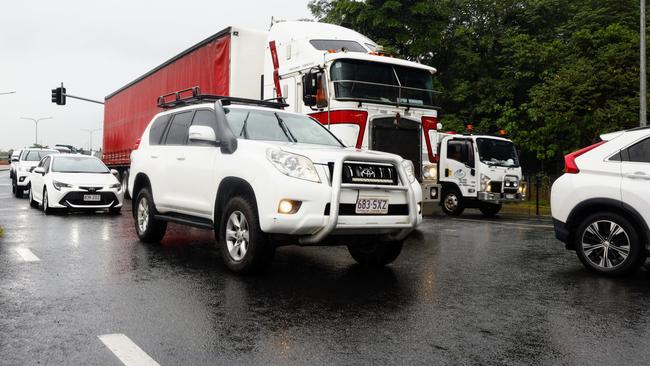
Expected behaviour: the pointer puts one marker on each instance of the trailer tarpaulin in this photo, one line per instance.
(128, 111)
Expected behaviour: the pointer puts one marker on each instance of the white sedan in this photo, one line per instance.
(76, 182)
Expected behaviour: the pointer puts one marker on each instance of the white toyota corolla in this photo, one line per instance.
(68, 181)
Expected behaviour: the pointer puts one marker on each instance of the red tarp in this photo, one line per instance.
(127, 113)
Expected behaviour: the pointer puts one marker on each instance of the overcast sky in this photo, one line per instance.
(97, 47)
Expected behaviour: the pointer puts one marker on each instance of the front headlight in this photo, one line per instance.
(522, 188)
(429, 172)
(59, 185)
(293, 165)
(410, 170)
(485, 183)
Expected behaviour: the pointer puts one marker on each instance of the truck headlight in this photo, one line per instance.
(485, 183)
(59, 185)
(293, 165)
(410, 170)
(429, 172)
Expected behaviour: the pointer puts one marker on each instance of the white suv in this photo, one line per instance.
(29, 159)
(601, 206)
(262, 177)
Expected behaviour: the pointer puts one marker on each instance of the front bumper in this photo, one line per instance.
(74, 199)
(500, 197)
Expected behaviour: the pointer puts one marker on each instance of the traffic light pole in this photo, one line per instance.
(59, 96)
(84, 99)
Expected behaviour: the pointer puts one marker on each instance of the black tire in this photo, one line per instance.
(241, 256)
(149, 230)
(452, 202)
(592, 248)
(32, 202)
(17, 191)
(490, 209)
(115, 210)
(46, 203)
(124, 181)
(375, 253)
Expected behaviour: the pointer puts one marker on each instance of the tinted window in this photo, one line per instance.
(460, 151)
(37, 155)
(158, 129)
(639, 152)
(177, 134)
(338, 45)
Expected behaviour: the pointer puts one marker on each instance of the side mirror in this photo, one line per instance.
(31, 169)
(309, 87)
(14, 160)
(38, 170)
(202, 134)
(115, 173)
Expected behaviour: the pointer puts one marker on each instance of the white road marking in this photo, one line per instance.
(505, 223)
(27, 255)
(127, 351)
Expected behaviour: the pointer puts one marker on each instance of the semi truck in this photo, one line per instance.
(475, 171)
(339, 77)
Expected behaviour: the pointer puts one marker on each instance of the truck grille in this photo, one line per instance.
(496, 187)
(360, 173)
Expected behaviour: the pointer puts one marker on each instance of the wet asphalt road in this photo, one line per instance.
(464, 291)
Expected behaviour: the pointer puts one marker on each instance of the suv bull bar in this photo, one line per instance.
(337, 185)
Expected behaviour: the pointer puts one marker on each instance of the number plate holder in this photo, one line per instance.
(371, 206)
(92, 197)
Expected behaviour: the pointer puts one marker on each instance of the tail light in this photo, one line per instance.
(137, 144)
(570, 165)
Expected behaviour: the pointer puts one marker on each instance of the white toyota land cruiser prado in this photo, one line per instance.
(261, 177)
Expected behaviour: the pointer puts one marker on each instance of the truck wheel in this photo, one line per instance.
(32, 202)
(490, 209)
(125, 184)
(452, 202)
(148, 228)
(376, 253)
(244, 247)
(607, 243)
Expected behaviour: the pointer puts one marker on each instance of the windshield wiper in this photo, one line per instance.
(285, 129)
(243, 129)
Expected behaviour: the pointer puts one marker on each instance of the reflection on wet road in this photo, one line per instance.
(462, 291)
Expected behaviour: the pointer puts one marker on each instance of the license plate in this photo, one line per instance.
(372, 206)
(92, 197)
(510, 196)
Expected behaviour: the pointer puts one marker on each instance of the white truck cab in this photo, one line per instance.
(477, 171)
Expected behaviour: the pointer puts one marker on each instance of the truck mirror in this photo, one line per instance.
(309, 86)
(321, 91)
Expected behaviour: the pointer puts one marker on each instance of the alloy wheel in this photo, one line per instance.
(606, 245)
(143, 215)
(237, 235)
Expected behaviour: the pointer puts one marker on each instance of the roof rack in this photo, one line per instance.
(193, 95)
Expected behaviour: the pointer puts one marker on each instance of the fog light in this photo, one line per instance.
(288, 206)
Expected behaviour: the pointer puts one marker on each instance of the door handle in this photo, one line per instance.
(638, 175)
(181, 158)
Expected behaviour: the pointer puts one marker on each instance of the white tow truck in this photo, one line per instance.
(475, 171)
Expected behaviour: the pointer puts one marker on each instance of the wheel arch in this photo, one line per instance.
(141, 181)
(610, 205)
(230, 187)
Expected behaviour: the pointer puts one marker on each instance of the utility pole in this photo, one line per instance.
(90, 137)
(36, 120)
(643, 90)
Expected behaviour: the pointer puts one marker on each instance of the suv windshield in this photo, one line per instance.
(78, 165)
(382, 83)
(37, 155)
(497, 152)
(254, 124)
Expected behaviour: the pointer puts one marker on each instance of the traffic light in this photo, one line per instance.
(58, 96)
